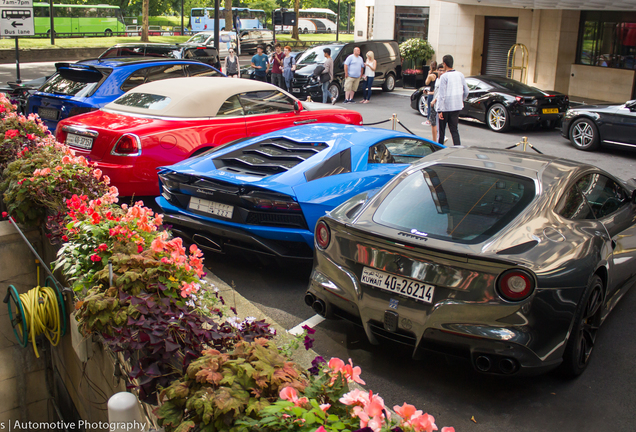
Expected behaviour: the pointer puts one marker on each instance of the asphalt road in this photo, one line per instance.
(603, 398)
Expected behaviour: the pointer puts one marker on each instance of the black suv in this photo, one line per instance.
(190, 51)
(252, 38)
(388, 69)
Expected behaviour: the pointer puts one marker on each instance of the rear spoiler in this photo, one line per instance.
(81, 73)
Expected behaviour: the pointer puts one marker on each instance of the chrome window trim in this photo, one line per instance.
(80, 130)
(136, 138)
(618, 143)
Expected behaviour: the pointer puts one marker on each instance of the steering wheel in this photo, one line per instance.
(609, 206)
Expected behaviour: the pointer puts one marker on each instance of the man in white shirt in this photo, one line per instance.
(450, 101)
(354, 68)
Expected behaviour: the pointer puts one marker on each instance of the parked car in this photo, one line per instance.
(503, 103)
(227, 40)
(589, 127)
(88, 85)
(388, 69)
(265, 194)
(191, 51)
(250, 39)
(509, 259)
(161, 123)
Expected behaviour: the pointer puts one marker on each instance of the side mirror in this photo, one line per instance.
(297, 106)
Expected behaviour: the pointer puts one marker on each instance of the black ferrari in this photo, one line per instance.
(587, 127)
(503, 103)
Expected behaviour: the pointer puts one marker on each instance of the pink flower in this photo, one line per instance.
(424, 423)
(45, 171)
(325, 407)
(355, 397)
(448, 429)
(335, 364)
(322, 429)
(97, 173)
(5, 214)
(58, 168)
(103, 247)
(11, 133)
(288, 394)
(405, 411)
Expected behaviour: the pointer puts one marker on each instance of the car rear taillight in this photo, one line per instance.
(323, 235)
(127, 145)
(515, 285)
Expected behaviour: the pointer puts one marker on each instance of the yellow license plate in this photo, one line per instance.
(550, 110)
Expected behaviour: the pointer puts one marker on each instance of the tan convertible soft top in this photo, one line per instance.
(191, 97)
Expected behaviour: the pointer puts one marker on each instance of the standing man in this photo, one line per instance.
(450, 100)
(277, 67)
(327, 76)
(260, 64)
(354, 68)
(289, 66)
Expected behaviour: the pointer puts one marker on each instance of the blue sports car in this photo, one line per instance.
(265, 194)
(88, 85)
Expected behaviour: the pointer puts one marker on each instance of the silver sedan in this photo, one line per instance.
(512, 260)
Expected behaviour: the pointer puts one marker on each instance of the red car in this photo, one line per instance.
(164, 122)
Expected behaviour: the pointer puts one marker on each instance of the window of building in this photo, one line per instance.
(607, 39)
(411, 22)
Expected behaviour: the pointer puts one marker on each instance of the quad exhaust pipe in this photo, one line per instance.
(319, 307)
(496, 364)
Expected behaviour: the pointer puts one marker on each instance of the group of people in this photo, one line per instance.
(448, 90)
(283, 65)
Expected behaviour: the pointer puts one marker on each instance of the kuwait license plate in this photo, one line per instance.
(211, 207)
(79, 141)
(399, 285)
(550, 110)
(295, 90)
(48, 113)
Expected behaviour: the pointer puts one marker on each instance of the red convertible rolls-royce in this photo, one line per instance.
(164, 122)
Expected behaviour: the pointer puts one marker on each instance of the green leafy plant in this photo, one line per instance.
(416, 49)
(43, 178)
(222, 387)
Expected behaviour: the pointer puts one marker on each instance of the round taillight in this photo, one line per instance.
(323, 235)
(127, 145)
(515, 285)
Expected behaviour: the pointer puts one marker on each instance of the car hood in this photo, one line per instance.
(609, 108)
(306, 69)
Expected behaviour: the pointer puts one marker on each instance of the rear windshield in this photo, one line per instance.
(73, 82)
(516, 87)
(462, 205)
(144, 100)
(316, 54)
(198, 38)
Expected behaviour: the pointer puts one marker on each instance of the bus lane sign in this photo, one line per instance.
(16, 18)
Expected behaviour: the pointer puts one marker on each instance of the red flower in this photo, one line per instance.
(65, 238)
(140, 248)
(96, 258)
(5, 214)
(103, 247)
(11, 133)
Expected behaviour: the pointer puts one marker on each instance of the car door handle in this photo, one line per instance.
(299, 122)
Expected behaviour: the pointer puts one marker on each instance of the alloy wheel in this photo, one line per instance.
(497, 117)
(423, 106)
(589, 325)
(583, 134)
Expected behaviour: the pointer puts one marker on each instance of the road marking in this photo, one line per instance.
(311, 322)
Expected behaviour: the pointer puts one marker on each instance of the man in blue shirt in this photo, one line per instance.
(354, 68)
(260, 65)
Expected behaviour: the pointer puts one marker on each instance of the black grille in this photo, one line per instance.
(399, 335)
(301, 79)
(276, 219)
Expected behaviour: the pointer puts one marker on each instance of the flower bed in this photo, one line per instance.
(142, 290)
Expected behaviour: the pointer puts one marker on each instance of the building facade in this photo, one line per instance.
(586, 53)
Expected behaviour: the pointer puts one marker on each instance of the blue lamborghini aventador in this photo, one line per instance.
(265, 194)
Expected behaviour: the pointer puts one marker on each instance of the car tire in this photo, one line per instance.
(389, 83)
(587, 321)
(422, 105)
(108, 33)
(584, 135)
(269, 49)
(334, 89)
(48, 33)
(305, 31)
(498, 118)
